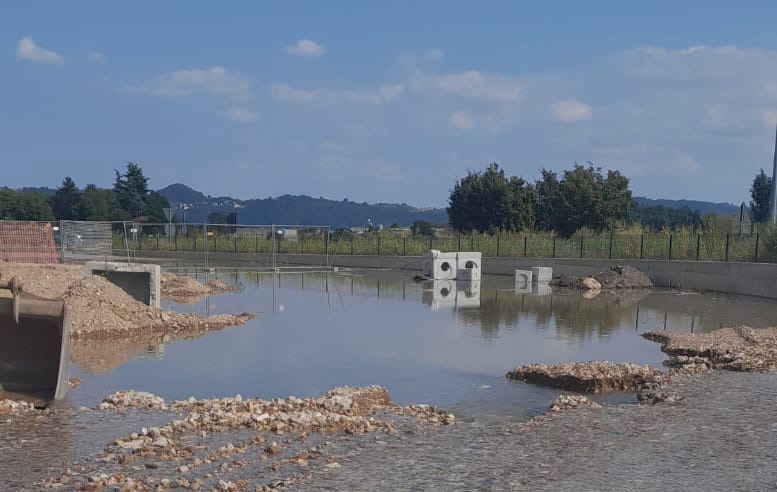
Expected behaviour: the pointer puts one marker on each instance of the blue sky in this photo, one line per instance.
(388, 101)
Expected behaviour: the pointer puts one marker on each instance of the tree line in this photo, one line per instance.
(490, 201)
(129, 199)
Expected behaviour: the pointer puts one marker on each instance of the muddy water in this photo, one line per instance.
(442, 343)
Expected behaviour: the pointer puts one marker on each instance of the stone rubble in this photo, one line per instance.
(735, 349)
(618, 277)
(588, 377)
(187, 290)
(14, 407)
(278, 424)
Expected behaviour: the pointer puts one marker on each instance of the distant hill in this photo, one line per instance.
(693, 206)
(299, 209)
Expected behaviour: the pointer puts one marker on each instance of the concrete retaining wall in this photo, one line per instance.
(754, 279)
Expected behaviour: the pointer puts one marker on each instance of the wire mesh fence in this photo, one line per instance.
(75, 241)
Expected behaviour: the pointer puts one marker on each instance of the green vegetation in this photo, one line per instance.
(760, 191)
(129, 199)
(490, 201)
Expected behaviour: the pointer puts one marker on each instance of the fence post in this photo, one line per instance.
(351, 244)
(698, 246)
(205, 242)
(404, 245)
(525, 239)
(554, 247)
(327, 247)
(175, 241)
(727, 238)
(431, 241)
(755, 256)
(641, 246)
(234, 239)
(609, 256)
(581, 246)
(471, 241)
(670, 247)
(459, 248)
(302, 244)
(378, 236)
(497, 245)
(195, 242)
(157, 241)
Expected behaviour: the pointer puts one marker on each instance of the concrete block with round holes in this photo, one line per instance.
(469, 263)
(440, 266)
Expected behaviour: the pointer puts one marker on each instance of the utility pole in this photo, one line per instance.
(773, 197)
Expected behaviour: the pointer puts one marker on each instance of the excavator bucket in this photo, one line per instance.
(34, 345)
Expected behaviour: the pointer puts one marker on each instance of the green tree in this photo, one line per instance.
(217, 218)
(65, 200)
(548, 207)
(154, 211)
(96, 204)
(481, 201)
(760, 191)
(11, 207)
(522, 199)
(36, 206)
(422, 228)
(618, 202)
(131, 189)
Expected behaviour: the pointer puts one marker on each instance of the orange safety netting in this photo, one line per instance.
(27, 242)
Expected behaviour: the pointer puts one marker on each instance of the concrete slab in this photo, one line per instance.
(542, 275)
(141, 281)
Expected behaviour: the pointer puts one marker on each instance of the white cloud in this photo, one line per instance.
(571, 110)
(381, 95)
(216, 81)
(96, 57)
(461, 120)
(241, 115)
(472, 84)
(28, 50)
(306, 47)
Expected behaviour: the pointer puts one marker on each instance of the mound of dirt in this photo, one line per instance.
(98, 308)
(188, 290)
(588, 377)
(618, 277)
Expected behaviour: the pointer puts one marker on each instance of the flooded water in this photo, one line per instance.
(444, 343)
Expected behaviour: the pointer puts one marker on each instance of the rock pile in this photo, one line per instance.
(618, 277)
(14, 407)
(99, 308)
(735, 349)
(188, 290)
(279, 427)
(588, 377)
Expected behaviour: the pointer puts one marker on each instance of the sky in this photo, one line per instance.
(387, 101)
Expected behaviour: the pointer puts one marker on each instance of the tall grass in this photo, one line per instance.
(632, 243)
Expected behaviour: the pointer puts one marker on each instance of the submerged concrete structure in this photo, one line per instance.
(141, 281)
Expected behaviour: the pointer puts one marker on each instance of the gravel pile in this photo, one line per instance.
(588, 377)
(735, 349)
(618, 277)
(176, 455)
(188, 290)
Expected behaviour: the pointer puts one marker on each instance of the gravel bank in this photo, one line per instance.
(186, 290)
(719, 436)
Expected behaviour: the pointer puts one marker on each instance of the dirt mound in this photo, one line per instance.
(50, 281)
(624, 277)
(98, 308)
(188, 290)
(618, 277)
(735, 349)
(588, 377)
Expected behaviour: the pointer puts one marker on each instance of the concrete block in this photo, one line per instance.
(523, 277)
(542, 290)
(542, 275)
(141, 281)
(439, 293)
(467, 294)
(439, 266)
(470, 265)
